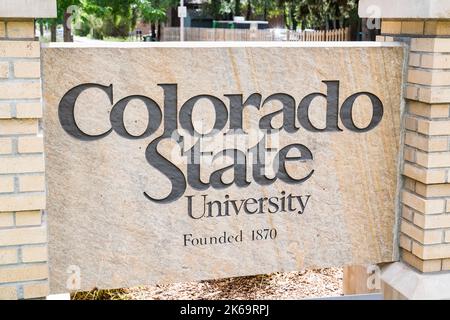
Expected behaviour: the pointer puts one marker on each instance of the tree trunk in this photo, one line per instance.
(365, 36)
(67, 28)
(293, 19)
(265, 10)
(294, 24)
(215, 7)
(249, 10)
(237, 7)
(41, 28)
(357, 30)
(159, 31)
(153, 30)
(285, 16)
(53, 32)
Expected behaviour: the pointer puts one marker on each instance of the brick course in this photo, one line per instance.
(425, 225)
(23, 232)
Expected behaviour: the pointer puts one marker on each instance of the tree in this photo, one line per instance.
(237, 7)
(117, 18)
(154, 12)
(288, 7)
(249, 10)
(214, 9)
(317, 14)
(64, 13)
(44, 23)
(41, 27)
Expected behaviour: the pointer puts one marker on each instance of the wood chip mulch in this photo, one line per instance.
(309, 283)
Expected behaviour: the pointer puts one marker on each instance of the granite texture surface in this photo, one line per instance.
(105, 233)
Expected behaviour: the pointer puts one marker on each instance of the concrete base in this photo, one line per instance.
(401, 282)
(62, 296)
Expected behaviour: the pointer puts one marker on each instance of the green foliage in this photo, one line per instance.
(318, 14)
(155, 10)
(116, 18)
(324, 14)
(63, 6)
(107, 17)
(110, 18)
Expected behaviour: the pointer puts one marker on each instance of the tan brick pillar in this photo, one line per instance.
(23, 233)
(424, 236)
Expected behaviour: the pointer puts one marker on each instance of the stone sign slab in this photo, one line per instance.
(169, 163)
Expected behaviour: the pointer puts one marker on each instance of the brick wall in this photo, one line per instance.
(23, 232)
(425, 224)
